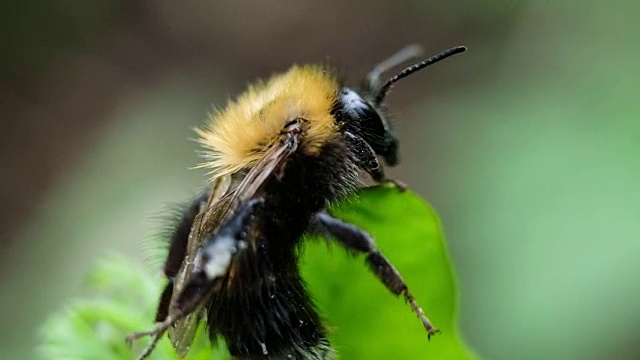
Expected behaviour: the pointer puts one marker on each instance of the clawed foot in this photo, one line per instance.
(432, 331)
(138, 335)
(156, 333)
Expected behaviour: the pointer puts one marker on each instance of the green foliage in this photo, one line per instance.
(366, 321)
(124, 301)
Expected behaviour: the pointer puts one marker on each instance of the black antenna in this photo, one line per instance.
(412, 51)
(382, 92)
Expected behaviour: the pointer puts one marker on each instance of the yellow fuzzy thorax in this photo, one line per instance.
(238, 136)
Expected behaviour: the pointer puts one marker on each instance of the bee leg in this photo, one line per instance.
(368, 160)
(215, 257)
(210, 265)
(365, 155)
(359, 241)
(177, 251)
(212, 262)
(165, 300)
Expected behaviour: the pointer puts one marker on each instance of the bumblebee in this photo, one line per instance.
(279, 155)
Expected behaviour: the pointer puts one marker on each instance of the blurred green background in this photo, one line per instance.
(527, 145)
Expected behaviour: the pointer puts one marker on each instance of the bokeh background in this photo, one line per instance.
(527, 145)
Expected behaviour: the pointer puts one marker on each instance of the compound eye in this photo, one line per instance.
(363, 119)
(354, 105)
(359, 115)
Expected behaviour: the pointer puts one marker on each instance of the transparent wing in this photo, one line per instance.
(222, 204)
(183, 331)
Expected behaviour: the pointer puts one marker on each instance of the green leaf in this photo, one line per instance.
(366, 321)
(123, 300)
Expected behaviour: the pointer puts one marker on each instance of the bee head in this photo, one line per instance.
(363, 114)
(361, 117)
